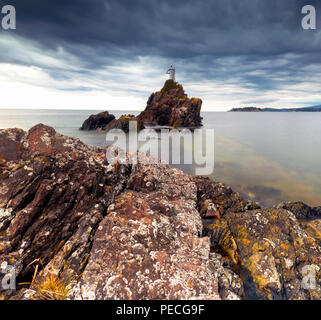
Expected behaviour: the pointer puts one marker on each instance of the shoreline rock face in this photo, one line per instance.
(143, 231)
(97, 121)
(172, 107)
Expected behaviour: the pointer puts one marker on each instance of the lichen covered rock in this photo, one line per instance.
(144, 231)
(134, 231)
(148, 246)
(54, 192)
(272, 251)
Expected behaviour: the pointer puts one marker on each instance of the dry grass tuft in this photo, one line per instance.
(53, 285)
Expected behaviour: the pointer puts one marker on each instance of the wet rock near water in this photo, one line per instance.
(300, 209)
(97, 121)
(123, 123)
(215, 199)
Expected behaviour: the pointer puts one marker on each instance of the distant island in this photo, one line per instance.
(255, 109)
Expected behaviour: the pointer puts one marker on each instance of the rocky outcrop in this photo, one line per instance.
(143, 231)
(123, 123)
(172, 107)
(54, 191)
(132, 232)
(97, 121)
(168, 107)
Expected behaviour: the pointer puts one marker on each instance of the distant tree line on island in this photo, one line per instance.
(256, 109)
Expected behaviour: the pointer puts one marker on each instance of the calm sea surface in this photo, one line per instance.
(268, 157)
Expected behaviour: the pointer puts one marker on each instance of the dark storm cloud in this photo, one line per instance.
(249, 40)
(175, 29)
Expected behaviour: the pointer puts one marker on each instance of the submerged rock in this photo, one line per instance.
(172, 107)
(97, 121)
(300, 209)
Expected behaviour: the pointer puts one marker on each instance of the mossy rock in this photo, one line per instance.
(169, 85)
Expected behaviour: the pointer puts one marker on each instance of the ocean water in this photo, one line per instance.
(267, 157)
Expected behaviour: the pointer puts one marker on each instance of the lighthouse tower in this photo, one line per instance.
(171, 72)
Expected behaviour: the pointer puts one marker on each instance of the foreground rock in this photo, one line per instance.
(97, 121)
(132, 231)
(148, 246)
(172, 107)
(54, 191)
(272, 250)
(143, 231)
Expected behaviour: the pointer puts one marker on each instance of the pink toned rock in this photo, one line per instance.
(148, 246)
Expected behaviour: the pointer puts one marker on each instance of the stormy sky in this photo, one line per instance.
(111, 54)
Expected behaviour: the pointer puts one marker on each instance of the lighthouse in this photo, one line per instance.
(171, 72)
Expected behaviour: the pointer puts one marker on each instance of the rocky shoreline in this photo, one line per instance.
(142, 231)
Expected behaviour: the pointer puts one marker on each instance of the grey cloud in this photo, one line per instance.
(258, 101)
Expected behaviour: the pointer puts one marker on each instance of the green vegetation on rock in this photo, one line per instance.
(169, 85)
